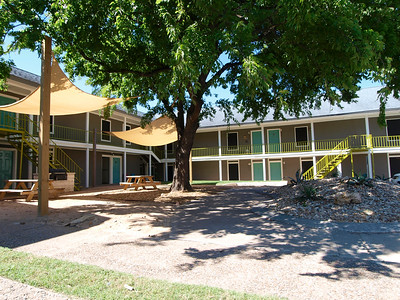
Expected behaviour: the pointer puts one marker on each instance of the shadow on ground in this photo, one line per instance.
(227, 221)
(20, 224)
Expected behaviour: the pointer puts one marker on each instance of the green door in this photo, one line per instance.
(116, 169)
(6, 166)
(258, 172)
(275, 170)
(256, 140)
(274, 141)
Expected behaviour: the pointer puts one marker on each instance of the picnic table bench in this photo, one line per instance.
(137, 181)
(23, 190)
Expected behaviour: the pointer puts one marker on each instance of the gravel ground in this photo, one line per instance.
(339, 200)
(215, 239)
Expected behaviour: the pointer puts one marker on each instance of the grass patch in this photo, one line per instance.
(93, 282)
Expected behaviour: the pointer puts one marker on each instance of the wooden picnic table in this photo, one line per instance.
(137, 181)
(23, 190)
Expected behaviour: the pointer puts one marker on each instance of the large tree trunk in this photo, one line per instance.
(181, 181)
(186, 133)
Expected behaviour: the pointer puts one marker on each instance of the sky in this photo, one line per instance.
(30, 61)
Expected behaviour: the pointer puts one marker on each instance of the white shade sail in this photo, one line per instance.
(66, 98)
(160, 132)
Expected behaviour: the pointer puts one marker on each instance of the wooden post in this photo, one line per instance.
(94, 157)
(44, 128)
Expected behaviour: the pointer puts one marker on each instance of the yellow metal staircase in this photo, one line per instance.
(27, 144)
(338, 154)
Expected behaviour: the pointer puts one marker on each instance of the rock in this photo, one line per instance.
(355, 198)
(345, 197)
(368, 212)
(342, 198)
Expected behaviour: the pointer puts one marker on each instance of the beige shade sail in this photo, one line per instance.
(160, 132)
(66, 98)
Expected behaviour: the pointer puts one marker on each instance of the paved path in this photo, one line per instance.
(230, 241)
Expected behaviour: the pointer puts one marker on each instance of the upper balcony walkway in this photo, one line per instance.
(75, 135)
(360, 142)
(8, 122)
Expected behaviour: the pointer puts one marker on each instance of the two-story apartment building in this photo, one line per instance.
(275, 150)
(343, 140)
(73, 141)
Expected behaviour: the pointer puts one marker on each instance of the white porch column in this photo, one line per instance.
(263, 143)
(87, 167)
(263, 152)
(220, 169)
(219, 143)
(166, 171)
(87, 128)
(388, 165)
(264, 170)
(220, 154)
(370, 173)
(314, 159)
(339, 169)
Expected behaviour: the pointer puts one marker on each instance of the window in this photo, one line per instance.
(51, 124)
(232, 141)
(393, 127)
(105, 129)
(170, 148)
(306, 164)
(127, 128)
(301, 136)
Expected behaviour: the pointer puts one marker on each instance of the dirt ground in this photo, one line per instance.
(146, 212)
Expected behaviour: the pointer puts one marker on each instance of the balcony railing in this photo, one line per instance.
(360, 142)
(386, 141)
(357, 142)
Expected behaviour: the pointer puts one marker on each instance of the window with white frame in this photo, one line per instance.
(232, 141)
(105, 129)
(301, 135)
(127, 128)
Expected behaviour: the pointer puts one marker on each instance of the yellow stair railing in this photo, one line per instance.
(338, 154)
(58, 158)
(329, 162)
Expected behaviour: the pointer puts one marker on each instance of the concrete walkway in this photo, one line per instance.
(231, 241)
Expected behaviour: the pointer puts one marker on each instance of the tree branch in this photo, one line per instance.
(219, 73)
(109, 69)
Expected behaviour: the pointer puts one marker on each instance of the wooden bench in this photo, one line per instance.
(139, 181)
(23, 190)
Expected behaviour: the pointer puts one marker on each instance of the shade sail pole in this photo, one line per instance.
(44, 128)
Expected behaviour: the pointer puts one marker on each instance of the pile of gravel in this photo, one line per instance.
(339, 199)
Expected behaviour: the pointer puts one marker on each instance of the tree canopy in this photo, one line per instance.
(284, 56)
